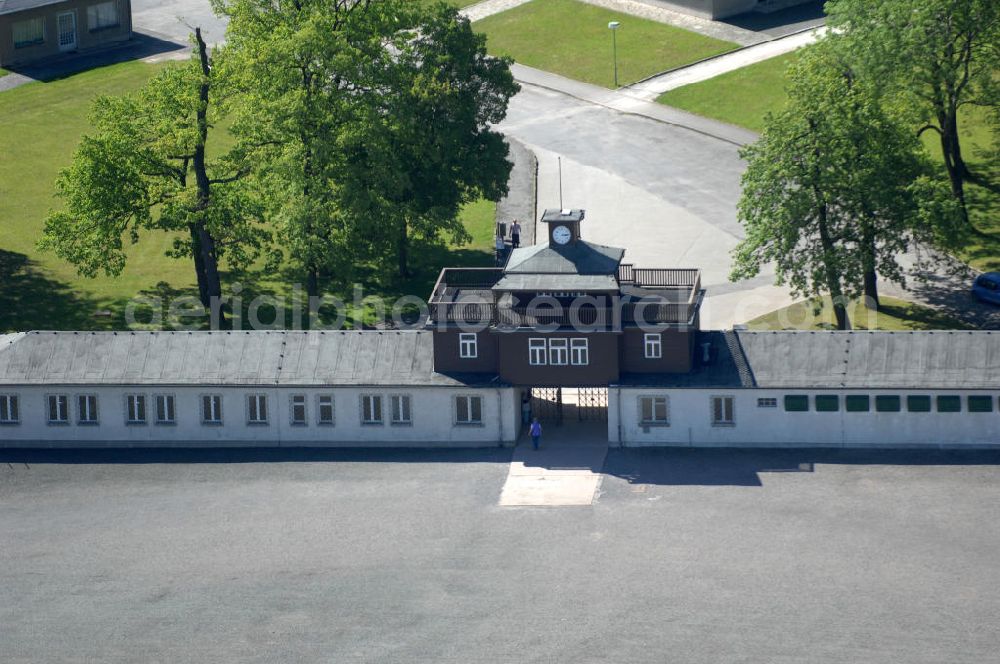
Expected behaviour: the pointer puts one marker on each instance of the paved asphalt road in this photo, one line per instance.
(687, 556)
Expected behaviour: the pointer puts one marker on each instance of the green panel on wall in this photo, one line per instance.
(857, 403)
(796, 403)
(980, 404)
(949, 404)
(887, 403)
(827, 403)
(918, 403)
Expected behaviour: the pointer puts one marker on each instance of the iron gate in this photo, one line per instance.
(581, 404)
(546, 403)
(592, 404)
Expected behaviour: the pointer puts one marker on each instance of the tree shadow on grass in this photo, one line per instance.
(29, 300)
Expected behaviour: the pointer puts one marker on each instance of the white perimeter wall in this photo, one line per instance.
(691, 421)
(433, 414)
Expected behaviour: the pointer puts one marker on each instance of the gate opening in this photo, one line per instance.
(569, 404)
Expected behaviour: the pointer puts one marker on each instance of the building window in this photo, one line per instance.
(918, 403)
(8, 409)
(211, 409)
(468, 346)
(653, 410)
(165, 411)
(468, 410)
(580, 351)
(257, 409)
(980, 404)
(324, 410)
(887, 403)
(297, 410)
(558, 351)
(401, 409)
(796, 403)
(827, 403)
(653, 344)
(135, 409)
(857, 403)
(58, 410)
(536, 352)
(371, 409)
(949, 404)
(767, 402)
(86, 409)
(722, 412)
(102, 15)
(29, 32)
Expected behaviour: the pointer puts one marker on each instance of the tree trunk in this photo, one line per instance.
(954, 163)
(312, 281)
(402, 249)
(832, 277)
(199, 267)
(870, 275)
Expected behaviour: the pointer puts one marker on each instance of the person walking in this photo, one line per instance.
(515, 234)
(536, 433)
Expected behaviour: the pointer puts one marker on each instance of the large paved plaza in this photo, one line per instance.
(685, 556)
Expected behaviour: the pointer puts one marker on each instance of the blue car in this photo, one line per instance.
(986, 287)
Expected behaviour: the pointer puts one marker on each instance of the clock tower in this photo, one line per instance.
(564, 226)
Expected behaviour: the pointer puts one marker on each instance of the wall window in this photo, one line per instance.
(297, 410)
(468, 410)
(102, 15)
(211, 409)
(371, 409)
(980, 404)
(654, 410)
(324, 409)
(165, 410)
(135, 409)
(918, 403)
(29, 32)
(857, 403)
(767, 402)
(257, 409)
(722, 412)
(558, 351)
(58, 409)
(536, 352)
(401, 413)
(887, 403)
(8, 409)
(579, 351)
(949, 404)
(86, 409)
(827, 403)
(653, 345)
(796, 403)
(468, 345)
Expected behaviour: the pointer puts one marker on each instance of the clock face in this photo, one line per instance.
(561, 234)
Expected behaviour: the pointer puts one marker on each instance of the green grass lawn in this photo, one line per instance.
(3, 72)
(572, 39)
(42, 124)
(894, 314)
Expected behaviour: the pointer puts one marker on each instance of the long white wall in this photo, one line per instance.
(690, 421)
(433, 419)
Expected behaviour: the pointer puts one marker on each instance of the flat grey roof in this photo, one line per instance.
(579, 257)
(333, 358)
(556, 215)
(557, 282)
(13, 6)
(862, 359)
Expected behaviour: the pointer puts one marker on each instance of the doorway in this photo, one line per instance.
(569, 404)
(66, 27)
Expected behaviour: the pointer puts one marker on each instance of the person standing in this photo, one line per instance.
(526, 407)
(500, 250)
(536, 433)
(515, 234)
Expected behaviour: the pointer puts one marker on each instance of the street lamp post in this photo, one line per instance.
(613, 26)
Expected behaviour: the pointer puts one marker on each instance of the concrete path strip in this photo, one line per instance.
(652, 88)
(481, 10)
(566, 471)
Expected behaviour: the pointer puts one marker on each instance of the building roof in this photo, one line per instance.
(873, 360)
(334, 358)
(558, 216)
(727, 369)
(14, 6)
(578, 257)
(557, 282)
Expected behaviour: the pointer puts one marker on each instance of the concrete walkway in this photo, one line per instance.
(481, 10)
(653, 87)
(566, 470)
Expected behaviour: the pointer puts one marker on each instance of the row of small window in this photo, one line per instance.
(883, 403)
(655, 411)
(558, 351)
(468, 409)
(31, 32)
